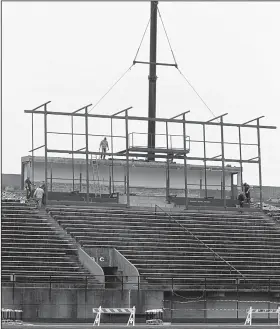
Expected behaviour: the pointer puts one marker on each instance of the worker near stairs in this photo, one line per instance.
(28, 188)
(241, 200)
(247, 192)
(43, 187)
(104, 147)
(38, 195)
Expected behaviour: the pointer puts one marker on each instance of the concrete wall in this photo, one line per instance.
(76, 304)
(140, 176)
(223, 307)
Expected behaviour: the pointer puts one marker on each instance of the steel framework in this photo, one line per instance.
(165, 153)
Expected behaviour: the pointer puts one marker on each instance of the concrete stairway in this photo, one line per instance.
(33, 250)
(161, 249)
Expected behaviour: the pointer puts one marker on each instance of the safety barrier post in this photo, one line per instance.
(98, 311)
(11, 316)
(250, 312)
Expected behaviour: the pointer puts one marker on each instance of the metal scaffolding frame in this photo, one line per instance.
(165, 153)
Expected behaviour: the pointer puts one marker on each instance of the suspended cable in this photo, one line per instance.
(195, 91)
(177, 66)
(167, 36)
(142, 39)
(144, 34)
(111, 87)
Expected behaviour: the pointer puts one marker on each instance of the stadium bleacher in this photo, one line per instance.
(162, 247)
(32, 248)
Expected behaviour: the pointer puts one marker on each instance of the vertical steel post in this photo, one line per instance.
(152, 80)
(167, 166)
(185, 163)
(172, 294)
(205, 301)
(237, 299)
(110, 183)
(112, 145)
(269, 297)
(50, 289)
(231, 186)
(205, 167)
(223, 162)
(240, 157)
(87, 169)
(86, 288)
(259, 162)
(46, 153)
(125, 185)
(72, 133)
(32, 150)
(51, 178)
(13, 276)
(127, 159)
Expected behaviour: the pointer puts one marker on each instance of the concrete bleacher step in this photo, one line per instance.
(169, 235)
(165, 223)
(149, 215)
(156, 236)
(173, 244)
(31, 246)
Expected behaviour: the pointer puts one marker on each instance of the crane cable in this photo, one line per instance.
(111, 87)
(125, 71)
(179, 69)
(143, 37)
(134, 63)
(167, 37)
(195, 91)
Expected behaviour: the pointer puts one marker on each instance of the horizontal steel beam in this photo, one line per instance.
(176, 116)
(163, 64)
(144, 155)
(37, 148)
(229, 143)
(217, 156)
(134, 118)
(218, 117)
(253, 120)
(79, 149)
(83, 134)
(82, 108)
(36, 108)
(122, 111)
(253, 158)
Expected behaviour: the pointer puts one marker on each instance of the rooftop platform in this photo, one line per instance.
(134, 163)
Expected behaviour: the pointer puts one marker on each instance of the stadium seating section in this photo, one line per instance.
(161, 248)
(31, 246)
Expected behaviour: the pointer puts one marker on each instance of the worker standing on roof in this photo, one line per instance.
(104, 147)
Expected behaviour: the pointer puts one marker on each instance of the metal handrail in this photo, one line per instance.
(205, 245)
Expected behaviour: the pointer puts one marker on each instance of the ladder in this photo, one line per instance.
(97, 188)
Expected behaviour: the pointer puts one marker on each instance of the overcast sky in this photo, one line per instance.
(72, 52)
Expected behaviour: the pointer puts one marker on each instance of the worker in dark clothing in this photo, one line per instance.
(247, 192)
(28, 188)
(104, 147)
(241, 200)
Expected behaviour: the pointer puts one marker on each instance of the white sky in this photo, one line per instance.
(72, 52)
